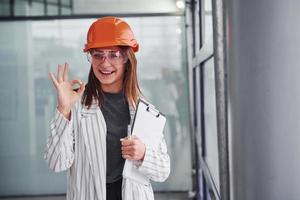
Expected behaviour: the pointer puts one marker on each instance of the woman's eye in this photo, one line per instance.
(115, 55)
(98, 55)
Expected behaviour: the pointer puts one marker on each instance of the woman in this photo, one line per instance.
(88, 132)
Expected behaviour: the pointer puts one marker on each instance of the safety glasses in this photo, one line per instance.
(113, 57)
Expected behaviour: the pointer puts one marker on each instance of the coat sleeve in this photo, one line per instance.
(156, 163)
(59, 151)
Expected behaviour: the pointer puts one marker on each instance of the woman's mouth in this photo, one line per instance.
(106, 72)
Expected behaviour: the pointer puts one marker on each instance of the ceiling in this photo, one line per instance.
(123, 6)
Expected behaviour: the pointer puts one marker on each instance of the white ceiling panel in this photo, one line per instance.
(123, 6)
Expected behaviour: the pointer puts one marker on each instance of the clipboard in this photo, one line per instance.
(148, 125)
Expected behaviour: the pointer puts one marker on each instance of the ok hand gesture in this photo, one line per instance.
(66, 96)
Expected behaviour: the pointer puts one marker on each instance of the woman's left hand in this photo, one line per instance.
(133, 148)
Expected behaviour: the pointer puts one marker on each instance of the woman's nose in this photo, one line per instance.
(105, 62)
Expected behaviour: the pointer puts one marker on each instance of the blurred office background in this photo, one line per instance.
(37, 35)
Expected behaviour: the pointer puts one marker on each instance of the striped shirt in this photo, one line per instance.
(79, 146)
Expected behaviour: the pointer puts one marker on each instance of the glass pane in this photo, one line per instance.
(66, 11)
(66, 2)
(30, 49)
(210, 122)
(197, 27)
(37, 9)
(4, 8)
(208, 26)
(52, 10)
(53, 1)
(21, 8)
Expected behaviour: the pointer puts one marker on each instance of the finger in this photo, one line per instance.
(125, 138)
(128, 148)
(54, 81)
(66, 71)
(128, 142)
(75, 88)
(128, 153)
(74, 81)
(127, 157)
(81, 89)
(59, 74)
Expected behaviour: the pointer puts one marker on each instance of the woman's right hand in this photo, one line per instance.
(66, 96)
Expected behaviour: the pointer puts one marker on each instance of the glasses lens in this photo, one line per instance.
(113, 57)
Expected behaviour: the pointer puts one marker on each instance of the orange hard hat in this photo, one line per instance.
(110, 31)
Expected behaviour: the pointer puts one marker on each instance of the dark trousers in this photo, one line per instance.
(114, 190)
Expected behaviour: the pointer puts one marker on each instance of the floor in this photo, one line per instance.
(158, 196)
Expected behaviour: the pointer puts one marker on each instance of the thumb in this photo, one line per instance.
(81, 84)
(81, 89)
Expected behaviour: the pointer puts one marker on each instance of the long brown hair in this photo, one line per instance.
(131, 87)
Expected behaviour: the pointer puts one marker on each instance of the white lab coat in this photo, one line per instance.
(79, 146)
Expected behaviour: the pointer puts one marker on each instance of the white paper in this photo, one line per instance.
(148, 126)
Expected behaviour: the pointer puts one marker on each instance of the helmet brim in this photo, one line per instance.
(135, 47)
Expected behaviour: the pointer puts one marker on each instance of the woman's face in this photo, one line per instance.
(109, 68)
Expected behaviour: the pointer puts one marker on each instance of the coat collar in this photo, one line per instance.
(85, 112)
